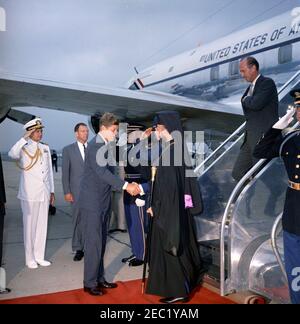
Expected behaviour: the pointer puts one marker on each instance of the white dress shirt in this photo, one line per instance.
(81, 149)
(253, 84)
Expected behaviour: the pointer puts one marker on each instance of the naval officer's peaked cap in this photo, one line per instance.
(295, 94)
(33, 124)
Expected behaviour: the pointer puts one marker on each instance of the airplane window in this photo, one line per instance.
(285, 54)
(234, 68)
(171, 69)
(214, 73)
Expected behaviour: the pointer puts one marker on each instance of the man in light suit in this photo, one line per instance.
(36, 190)
(260, 106)
(72, 171)
(95, 202)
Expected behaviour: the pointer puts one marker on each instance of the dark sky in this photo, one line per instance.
(100, 41)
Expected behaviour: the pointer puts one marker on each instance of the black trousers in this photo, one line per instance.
(245, 160)
(54, 163)
(2, 214)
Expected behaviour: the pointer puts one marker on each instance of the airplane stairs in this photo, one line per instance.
(234, 231)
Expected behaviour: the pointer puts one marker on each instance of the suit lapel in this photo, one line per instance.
(259, 80)
(246, 92)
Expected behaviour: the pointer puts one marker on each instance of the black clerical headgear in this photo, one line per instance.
(296, 94)
(170, 119)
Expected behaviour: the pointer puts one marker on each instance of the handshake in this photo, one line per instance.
(133, 189)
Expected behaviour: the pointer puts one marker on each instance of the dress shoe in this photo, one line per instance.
(78, 256)
(125, 260)
(107, 285)
(172, 300)
(43, 263)
(32, 265)
(5, 291)
(135, 263)
(95, 291)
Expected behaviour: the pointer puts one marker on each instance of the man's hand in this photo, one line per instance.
(52, 199)
(286, 119)
(146, 133)
(28, 134)
(133, 189)
(69, 198)
(150, 211)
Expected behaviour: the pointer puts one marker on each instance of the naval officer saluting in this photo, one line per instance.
(36, 190)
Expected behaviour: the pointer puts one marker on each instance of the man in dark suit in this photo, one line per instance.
(72, 171)
(95, 201)
(54, 159)
(260, 106)
(2, 208)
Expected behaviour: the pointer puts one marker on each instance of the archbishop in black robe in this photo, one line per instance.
(175, 268)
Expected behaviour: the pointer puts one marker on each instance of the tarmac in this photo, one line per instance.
(64, 274)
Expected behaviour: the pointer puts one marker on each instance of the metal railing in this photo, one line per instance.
(274, 234)
(227, 217)
(213, 154)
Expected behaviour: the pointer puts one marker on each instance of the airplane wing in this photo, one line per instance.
(137, 106)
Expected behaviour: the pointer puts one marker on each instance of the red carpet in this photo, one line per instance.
(127, 293)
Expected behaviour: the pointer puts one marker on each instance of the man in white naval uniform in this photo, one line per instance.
(36, 190)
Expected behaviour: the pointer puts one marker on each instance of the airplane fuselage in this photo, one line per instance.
(211, 72)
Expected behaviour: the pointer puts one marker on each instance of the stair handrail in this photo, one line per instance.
(226, 218)
(274, 235)
(234, 134)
